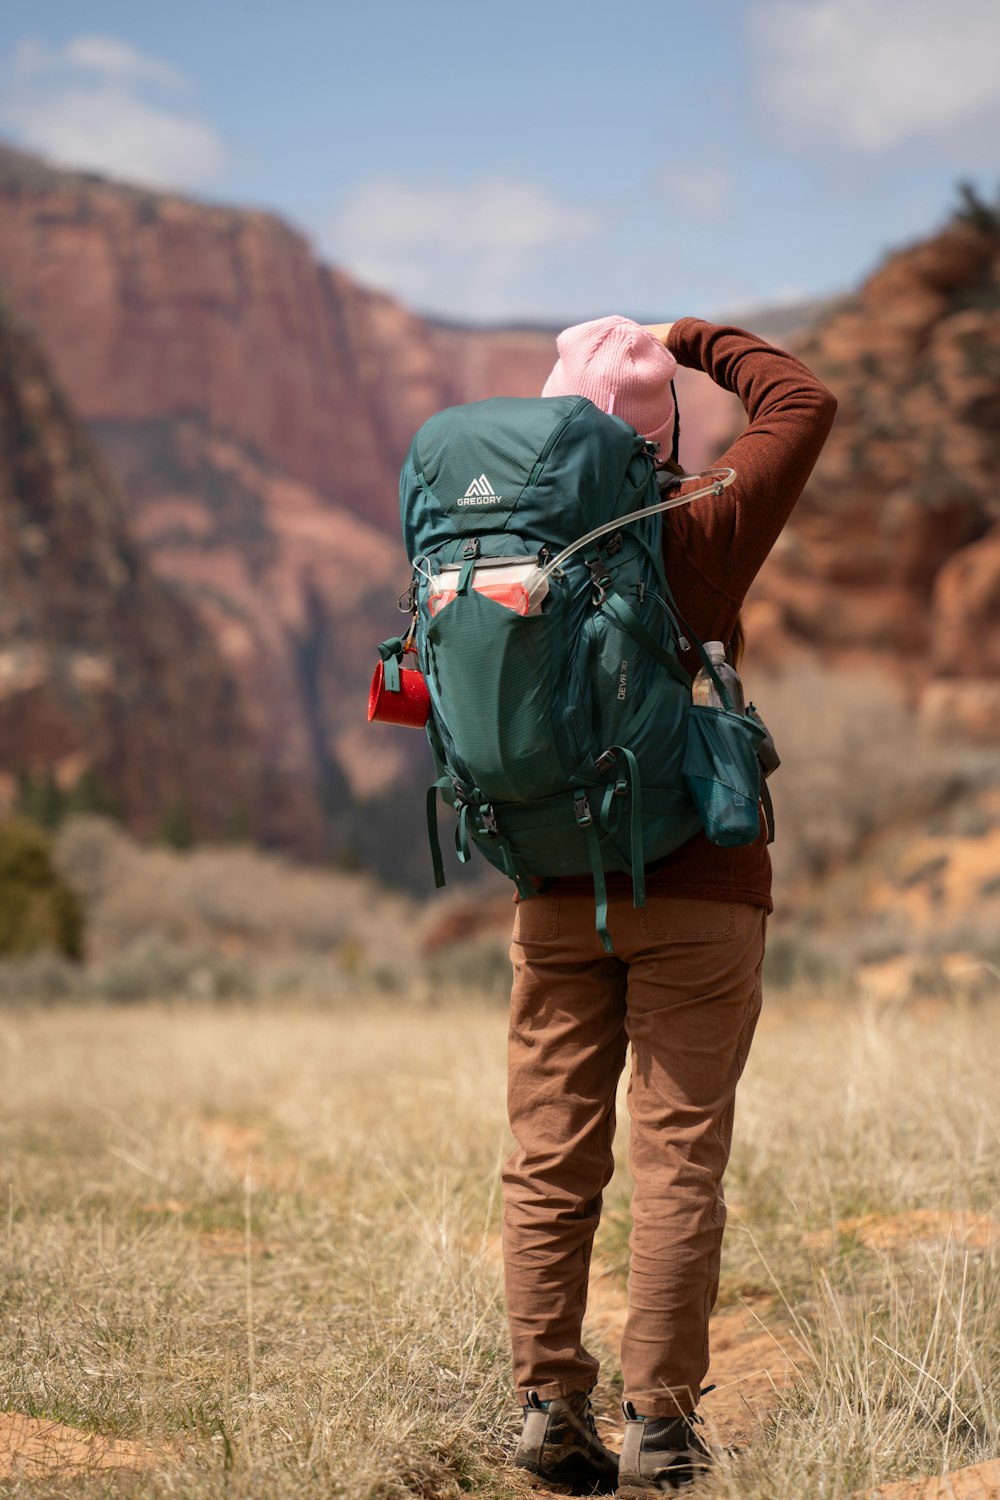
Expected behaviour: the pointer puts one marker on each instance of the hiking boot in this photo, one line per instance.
(560, 1450)
(659, 1454)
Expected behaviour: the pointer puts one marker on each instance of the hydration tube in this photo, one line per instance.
(719, 479)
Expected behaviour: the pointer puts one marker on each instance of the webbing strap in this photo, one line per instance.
(465, 575)
(706, 662)
(391, 654)
(720, 686)
(636, 851)
(609, 806)
(581, 809)
(768, 805)
(462, 834)
(626, 616)
(513, 870)
(432, 831)
(635, 830)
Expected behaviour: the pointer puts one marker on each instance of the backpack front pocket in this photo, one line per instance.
(490, 673)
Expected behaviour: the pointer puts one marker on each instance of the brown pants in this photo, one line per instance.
(684, 986)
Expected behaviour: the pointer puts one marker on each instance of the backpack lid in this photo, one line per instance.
(471, 467)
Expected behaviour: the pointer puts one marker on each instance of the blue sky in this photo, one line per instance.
(540, 160)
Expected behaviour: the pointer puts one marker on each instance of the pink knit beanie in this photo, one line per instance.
(622, 369)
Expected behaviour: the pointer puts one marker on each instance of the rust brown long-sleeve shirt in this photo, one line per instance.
(714, 548)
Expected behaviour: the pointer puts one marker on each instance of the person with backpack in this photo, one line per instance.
(683, 985)
(564, 583)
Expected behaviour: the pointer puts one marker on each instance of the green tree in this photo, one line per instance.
(176, 826)
(38, 910)
(238, 827)
(91, 795)
(39, 798)
(974, 209)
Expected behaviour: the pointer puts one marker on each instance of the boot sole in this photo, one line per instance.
(561, 1486)
(647, 1490)
(539, 1482)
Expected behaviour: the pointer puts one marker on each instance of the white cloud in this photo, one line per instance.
(875, 74)
(469, 251)
(110, 56)
(96, 103)
(702, 192)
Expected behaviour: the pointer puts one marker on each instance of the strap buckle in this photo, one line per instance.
(600, 578)
(489, 818)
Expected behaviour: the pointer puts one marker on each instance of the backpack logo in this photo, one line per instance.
(480, 492)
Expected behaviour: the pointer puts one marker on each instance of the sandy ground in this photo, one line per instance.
(754, 1356)
(35, 1448)
(976, 1482)
(918, 1226)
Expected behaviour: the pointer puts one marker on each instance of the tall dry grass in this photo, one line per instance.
(264, 1240)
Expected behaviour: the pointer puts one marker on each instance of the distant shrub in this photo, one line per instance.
(224, 921)
(155, 970)
(90, 795)
(42, 978)
(974, 209)
(96, 857)
(176, 828)
(38, 909)
(479, 967)
(791, 960)
(238, 826)
(41, 799)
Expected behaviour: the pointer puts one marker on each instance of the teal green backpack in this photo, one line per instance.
(560, 734)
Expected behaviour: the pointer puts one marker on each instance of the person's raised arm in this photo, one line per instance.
(790, 413)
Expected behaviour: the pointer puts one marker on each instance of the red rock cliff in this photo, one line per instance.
(894, 551)
(256, 406)
(103, 669)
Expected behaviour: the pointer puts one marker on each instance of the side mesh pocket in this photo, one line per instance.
(723, 774)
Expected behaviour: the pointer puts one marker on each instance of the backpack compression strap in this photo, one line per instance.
(585, 819)
(627, 618)
(480, 814)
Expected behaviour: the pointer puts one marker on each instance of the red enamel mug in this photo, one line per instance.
(410, 706)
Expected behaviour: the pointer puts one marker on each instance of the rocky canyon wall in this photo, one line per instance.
(893, 554)
(254, 406)
(107, 677)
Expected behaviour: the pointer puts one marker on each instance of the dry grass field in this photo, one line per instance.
(251, 1251)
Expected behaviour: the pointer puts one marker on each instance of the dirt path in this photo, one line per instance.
(34, 1448)
(753, 1358)
(913, 1227)
(976, 1482)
